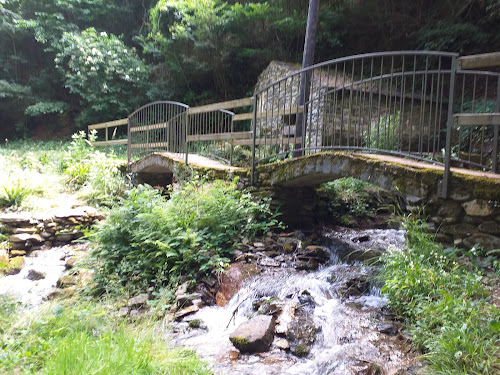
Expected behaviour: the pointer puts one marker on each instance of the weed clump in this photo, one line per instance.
(94, 172)
(83, 338)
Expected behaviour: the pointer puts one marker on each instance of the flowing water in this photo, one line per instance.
(348, 338)
(48, 262)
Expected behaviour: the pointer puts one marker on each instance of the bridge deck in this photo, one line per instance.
(199, 161)
(424, 165)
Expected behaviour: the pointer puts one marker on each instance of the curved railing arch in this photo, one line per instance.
(390, 102)
(158, 126)
(400, 103)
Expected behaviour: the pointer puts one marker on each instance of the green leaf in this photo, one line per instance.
(495, 325)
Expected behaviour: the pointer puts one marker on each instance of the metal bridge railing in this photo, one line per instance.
(158, 126)
(391, 102)
(474, 131)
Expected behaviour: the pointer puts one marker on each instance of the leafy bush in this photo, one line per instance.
(104, 72)
(444, 304)
(152, 241)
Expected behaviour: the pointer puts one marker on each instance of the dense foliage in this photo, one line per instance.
(351, 200)
(151, 241)
(444, 302)
(94, 60)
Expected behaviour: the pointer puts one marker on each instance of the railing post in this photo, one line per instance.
(494, 152)
(232, 141)
(129, 142)
(186, 142)
(106, 139)
(443, 189)
(254, 135)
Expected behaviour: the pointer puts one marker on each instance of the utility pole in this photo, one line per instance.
(305, 79)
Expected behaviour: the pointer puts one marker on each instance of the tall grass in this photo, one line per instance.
(84, 339)
(445, 305)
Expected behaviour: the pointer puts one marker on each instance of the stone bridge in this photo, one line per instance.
(470, 214)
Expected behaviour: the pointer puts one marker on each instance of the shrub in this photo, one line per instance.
(350, 199)
(152, 241)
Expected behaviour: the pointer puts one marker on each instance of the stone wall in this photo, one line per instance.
(26, 232)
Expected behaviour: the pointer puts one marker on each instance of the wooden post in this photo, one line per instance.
(305, 79)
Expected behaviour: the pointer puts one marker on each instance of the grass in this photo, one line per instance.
(82, 338)
(37, 172)
(442, 297)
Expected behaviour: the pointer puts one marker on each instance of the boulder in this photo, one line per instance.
(318, 252)
(185, 312)
(307, 265)
(485, 241)
(450, 212)
(138, 300)
(255, 335)
(289, 246)
(282, 344)
(232, 280)
(70, 263)
(269, 262)
(21, 237)
(388, 328)
(17, 253)
(14, 266)
(16, 219)
(490, 227)
(66, 281)
(478, 207)
(365, 368)
(459, 230)
(188, 299)
(34, 275)
(301, 333)
(29, 230)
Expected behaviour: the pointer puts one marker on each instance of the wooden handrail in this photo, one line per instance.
(109, 124)
(477, 119)
(486, 60)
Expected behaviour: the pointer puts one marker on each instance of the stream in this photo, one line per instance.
(39, 276)
(336, 311)
(345, 315)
